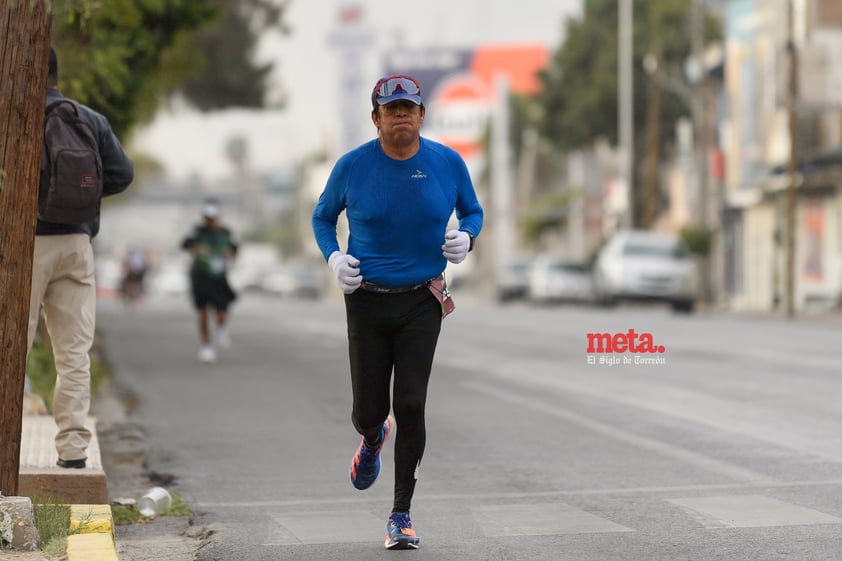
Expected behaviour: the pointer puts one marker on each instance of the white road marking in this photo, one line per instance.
(543, 494)
(305, 528)
(759, 420)
(751, 511)
(540, 520)
(682, 454)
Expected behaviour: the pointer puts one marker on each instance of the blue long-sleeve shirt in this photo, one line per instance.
(397, 210)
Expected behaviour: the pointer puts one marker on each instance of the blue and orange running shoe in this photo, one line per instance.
(400, 533)
(365, 466)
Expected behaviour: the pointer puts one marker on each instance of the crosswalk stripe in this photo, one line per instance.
(750, 511)
(306, 528)
(540, 520)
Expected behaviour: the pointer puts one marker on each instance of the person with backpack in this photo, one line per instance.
(82, 161)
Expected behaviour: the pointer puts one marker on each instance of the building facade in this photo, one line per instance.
(756, 140)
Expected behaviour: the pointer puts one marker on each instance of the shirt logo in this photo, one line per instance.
(418, 175)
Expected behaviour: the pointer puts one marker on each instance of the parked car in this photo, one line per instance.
(553, 279)
(253, 262)
(170, 279)
(513, 283)
(650, 266)
(297, 280)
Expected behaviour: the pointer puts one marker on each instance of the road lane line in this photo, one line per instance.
(543, 494)
(764, 421)
(693, 458)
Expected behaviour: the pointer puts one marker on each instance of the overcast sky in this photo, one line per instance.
(187, 142)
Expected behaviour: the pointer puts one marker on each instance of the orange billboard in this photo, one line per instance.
(458, 87)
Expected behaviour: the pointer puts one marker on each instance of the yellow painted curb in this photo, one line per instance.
(95, 540)
(91, 547)
(91, 519)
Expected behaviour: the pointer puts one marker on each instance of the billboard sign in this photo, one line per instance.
(458, 87)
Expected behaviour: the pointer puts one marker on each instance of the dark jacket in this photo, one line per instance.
(117, 169)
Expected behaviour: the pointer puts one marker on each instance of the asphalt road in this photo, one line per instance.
(724, 446)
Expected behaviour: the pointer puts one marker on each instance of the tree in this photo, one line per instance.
(24, 51)
(125, 58)
(228, 74)
(122, 58)
(579, 96)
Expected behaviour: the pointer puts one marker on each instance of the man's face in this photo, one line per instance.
(399, 121)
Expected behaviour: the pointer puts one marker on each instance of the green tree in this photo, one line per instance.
(119, 56)
(579, 97)
(228, 74)
(580, 85)
(124, 57)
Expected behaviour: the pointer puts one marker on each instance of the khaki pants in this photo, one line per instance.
(63, 283)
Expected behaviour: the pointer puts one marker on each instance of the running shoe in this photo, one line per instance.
(207, 354)
(365, 466)
(400, 534)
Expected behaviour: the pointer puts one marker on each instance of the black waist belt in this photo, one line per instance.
(371, 287)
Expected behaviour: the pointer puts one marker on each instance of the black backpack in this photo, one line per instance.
(70, 190)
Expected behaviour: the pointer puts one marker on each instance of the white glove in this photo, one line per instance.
(456, 245)
(347, 270)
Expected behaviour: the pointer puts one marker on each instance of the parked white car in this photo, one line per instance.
(297, 279)
(553, 279)
(649, 266)
(513, 282)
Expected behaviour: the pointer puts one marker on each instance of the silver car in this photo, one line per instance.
(560, 280)
(513, 282)
(650, 266)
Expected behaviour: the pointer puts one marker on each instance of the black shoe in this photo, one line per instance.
(76, 464)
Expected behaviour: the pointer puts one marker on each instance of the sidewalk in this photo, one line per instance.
(85, 490)
(115, 469)
(41, 478)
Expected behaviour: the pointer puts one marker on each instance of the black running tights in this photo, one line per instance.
(393, 333)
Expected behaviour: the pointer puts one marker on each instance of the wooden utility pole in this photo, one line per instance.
(791, 199)
(700, 147)
(651, 180)
(24, 53)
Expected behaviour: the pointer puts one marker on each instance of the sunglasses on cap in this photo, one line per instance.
(397, 87)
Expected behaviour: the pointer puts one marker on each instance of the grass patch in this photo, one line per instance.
(179, 506)
(41, 371)
(52, 520)
(124, 515)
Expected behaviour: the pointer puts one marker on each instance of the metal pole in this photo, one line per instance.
(625, 103)
(791, 201)
(501, 179)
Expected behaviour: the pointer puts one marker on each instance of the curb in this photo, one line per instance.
(95, 542)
